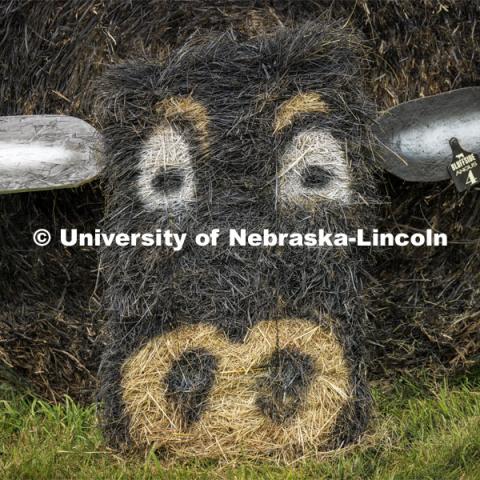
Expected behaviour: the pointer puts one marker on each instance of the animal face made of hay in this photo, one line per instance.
(225, 350)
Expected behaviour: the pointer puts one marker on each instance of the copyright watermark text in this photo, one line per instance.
(243, 238)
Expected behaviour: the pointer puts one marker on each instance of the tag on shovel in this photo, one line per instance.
(465, 167)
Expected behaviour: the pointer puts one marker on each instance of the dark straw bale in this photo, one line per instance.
(49, 332)
(51, 53)
(241, 165)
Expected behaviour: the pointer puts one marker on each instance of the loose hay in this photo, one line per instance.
(232, 423)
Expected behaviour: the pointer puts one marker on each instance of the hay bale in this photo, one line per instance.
(48, 327)
(207, 306)
(51, 53)
(424, 309)
(425, 313)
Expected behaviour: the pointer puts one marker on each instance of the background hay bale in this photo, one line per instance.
(48, 330)
(52, 52)
(425, 312)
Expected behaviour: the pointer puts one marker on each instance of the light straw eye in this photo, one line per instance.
(313, 168)
(166, 180)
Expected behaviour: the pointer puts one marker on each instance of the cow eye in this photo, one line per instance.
(166, 176)
(314, 176)
(313, 168)
(168, 180)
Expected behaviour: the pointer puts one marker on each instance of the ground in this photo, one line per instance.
(423, 429)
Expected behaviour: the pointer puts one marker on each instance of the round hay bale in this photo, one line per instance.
(54, 52)
(49, 322)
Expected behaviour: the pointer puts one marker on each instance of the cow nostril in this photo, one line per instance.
(188, 383)
(314, 176)
(168, 179)
(283, 387)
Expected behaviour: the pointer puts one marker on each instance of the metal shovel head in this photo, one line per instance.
(43, 152)
(413, 138)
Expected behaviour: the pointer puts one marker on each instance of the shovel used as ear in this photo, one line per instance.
(44, 152)
(433, 138)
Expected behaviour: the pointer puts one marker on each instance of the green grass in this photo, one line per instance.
(423, 431)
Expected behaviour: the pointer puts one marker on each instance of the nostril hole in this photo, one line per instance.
(314, 176)
(168, 180)
(283, 387)
(188, 383)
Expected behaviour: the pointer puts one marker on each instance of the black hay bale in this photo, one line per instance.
(255, 132)
(49, 331)
(51, 53)
(425, 314)
(424, 311)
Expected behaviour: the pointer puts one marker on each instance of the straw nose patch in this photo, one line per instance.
(192, 393)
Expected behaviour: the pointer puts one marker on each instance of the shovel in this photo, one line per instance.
(416, 140)
(44, 152)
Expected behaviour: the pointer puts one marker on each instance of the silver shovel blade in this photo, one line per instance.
(43, 152)
(414, 137)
